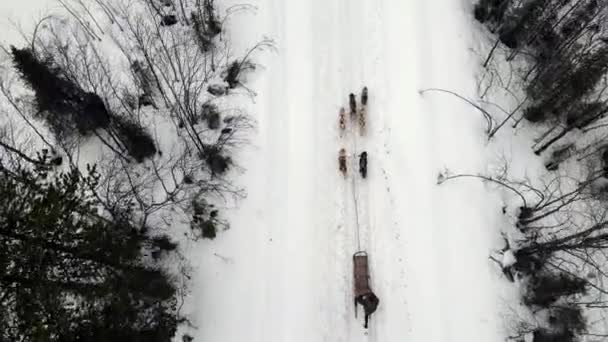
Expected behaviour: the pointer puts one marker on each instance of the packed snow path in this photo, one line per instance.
(283, 273)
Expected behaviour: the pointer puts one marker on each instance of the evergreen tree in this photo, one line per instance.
(62, 103)
(68, 274)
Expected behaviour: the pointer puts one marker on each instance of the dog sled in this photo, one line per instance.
(363, 294)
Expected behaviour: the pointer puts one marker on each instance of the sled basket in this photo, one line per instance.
(361, 274)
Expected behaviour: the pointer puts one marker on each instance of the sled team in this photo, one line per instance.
(363, 294)
(359, 116)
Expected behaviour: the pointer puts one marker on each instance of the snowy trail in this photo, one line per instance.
(292, 239)
(283, 272)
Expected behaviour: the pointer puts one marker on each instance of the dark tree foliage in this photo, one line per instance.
(204, 219)
(160, 244)
(135, 138)
(67, 274)
(584, 79)
(536, 113)
(567, 318)
(579, 20)
(566, 58)
(529, 263)
(545, 288)
(62, 103)
(215, 160)
(517, 26)
(491, 11)
(545, 335)
(168, 20)
(565, 323)
(585, 113)
(235, 71)
(232, 75)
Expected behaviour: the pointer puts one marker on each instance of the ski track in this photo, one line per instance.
(293, 238)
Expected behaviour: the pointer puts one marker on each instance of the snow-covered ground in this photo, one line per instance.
(20, 15)
(284, 270)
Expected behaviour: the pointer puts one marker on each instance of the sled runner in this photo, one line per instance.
(362, 291)
(342, 161)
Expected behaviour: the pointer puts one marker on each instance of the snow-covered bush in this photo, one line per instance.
(136, 140)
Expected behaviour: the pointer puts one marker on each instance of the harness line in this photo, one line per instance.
(354, 192)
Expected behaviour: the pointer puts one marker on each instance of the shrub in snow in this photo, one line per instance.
(490, 10)
(232, 75)
(544, 289)
(204, 219)
(234, 72)
(545, 335)
(535, 113)
(217, 89)
(567, 318)
(215, 160)
(508, 36)
(144, 100)
(135, 138)
(604, 159)
(584, 113)
(564, 323)
(524, 214)
(160, 244)
(130, 99)
(188, 179)
(527, 263)
(211, 114)
(168, 20)
(481, 13)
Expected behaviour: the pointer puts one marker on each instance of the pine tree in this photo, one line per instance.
(69, 274)
(63, 104)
